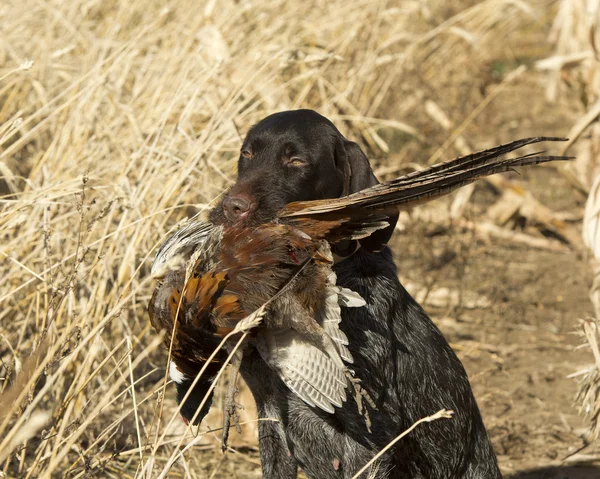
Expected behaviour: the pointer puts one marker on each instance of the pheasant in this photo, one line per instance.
(275, 282)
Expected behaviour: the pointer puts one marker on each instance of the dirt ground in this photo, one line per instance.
(517, 346)
(513, 324)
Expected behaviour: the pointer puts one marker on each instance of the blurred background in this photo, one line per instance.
(118, 119)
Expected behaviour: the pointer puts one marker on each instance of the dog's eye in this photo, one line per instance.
(246, 154)
(295, 161)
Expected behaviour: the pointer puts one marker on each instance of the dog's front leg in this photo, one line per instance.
(277, 460)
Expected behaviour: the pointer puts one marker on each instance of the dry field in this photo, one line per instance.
(118, 119)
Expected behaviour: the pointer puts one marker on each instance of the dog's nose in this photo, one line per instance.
(236, 207)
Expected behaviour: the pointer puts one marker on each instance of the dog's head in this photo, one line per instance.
(295, 156)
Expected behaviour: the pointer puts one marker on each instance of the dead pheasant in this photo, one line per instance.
(233, 271)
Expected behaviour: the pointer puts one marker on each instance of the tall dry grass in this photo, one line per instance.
(120, 118)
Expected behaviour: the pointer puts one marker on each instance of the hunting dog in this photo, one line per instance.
(401, 357)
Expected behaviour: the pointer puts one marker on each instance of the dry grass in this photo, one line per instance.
(128, 120)
(576, 66)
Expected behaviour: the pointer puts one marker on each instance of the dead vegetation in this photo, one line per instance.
(119, 119)
(576, 66)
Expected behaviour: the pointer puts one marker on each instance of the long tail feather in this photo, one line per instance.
(478, 158)
(363, 212)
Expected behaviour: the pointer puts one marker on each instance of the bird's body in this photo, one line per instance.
(233, 272)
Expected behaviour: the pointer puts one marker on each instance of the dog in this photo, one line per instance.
(401, 357)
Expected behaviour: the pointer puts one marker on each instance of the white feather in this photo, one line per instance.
(175, 374)
(349, 298)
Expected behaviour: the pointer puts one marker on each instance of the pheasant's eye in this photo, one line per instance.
(247, 154)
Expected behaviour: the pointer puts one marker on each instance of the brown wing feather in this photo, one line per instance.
(246, 266)
(228, 304)
(174, 303)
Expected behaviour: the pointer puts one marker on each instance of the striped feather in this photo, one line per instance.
(338, 219)
(304, 368)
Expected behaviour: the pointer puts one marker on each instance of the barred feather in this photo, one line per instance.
(337, 219)
(306, 369)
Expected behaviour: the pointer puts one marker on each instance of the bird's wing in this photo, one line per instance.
(196, 305)
(331, 324)
(353, 216)
(335, 297)
(314, 371)
(304, 368)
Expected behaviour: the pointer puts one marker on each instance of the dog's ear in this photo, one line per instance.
(357, 171)
(358, 175)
